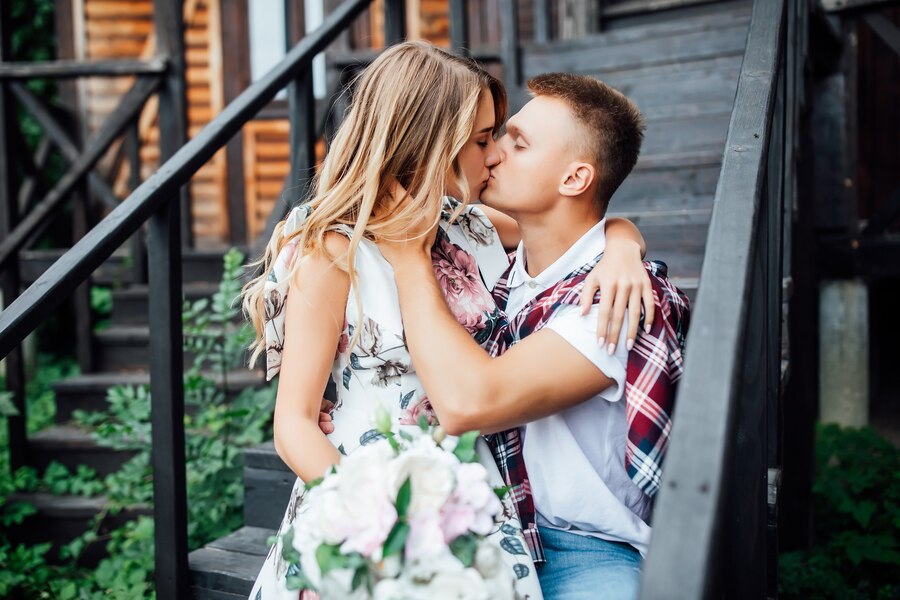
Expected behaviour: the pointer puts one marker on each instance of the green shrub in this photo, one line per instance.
(856, 495)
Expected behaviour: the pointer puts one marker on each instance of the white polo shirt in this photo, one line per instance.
(576, 458)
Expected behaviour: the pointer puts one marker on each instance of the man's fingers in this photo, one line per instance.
(325, 423)
(618, 316)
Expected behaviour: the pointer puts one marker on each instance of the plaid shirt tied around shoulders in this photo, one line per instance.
(655, 364)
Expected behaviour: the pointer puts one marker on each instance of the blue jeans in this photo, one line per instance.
(587, 568)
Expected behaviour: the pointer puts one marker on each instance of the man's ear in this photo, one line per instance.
(577, 179)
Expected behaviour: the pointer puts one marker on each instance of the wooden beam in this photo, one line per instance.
(886, 30)
(459, 27)
(39, 217)
(695, 507)
(69, 69)
(837, 6)
(63, 141)
(9, 277)
(169, 229)
(509, 47)
(58, 281)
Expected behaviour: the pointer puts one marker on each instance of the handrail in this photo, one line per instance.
(51, 288)
(711, 510)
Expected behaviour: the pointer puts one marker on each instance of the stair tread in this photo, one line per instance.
(224, 570)
(66, 434)
(263, 456)
(190, 289)
(236, 378)
(248, 540)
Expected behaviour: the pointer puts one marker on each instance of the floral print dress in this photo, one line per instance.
(468, 259)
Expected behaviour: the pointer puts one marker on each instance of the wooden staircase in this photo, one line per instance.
(121, 357)
(683, 73)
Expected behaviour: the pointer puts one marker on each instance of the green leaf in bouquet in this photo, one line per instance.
(463, 548)
(382, 420)
(406, 436)
(360, 576)
(311, 484)
(329, 557)
(501, 492)
(288, 552)
(465, 447)
(403, 496)
(396, 539)
(297, 580)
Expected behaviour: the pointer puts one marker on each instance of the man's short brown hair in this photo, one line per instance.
(613, 125)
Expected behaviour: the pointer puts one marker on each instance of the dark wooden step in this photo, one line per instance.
(227, 567)
(658, 178)
(88, 392)
(72, 446)
(126, 347)
(588, 56)
(60, 519)
(197, 265)
(267, 486)
(130, 305)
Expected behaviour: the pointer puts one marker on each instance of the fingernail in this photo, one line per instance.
(629, 344)
(611, 348)
(647, 328)
(601, 340)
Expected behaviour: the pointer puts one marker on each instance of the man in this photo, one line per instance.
(584, 505)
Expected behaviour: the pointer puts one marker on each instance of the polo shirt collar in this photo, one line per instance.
(587, 248)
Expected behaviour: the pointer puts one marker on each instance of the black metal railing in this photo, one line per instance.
(712, 535)
(158, 202)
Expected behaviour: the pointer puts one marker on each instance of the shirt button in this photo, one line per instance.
(532, 284)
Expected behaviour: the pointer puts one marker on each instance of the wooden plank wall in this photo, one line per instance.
(124, 29)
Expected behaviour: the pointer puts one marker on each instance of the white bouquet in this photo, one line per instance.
(404, 517)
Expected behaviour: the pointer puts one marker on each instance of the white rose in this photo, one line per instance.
(430, 474)
(487, 558)
(465, 585)
(390, 589)
(426, 537)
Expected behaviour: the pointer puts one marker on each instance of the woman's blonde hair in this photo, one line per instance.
(413, 110)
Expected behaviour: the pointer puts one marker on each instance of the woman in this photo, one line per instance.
(421, 120)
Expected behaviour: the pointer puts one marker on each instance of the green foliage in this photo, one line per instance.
(218, 427)
(857, 522)
(101, 305)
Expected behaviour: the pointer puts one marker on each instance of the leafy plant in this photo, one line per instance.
(220, 423)
(857, 522)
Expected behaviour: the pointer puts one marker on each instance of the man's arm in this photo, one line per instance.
(538, 377)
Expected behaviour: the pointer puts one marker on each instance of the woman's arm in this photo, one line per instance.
(314, 319)
(507, 227)
(623, 283)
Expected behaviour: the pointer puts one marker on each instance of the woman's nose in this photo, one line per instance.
(493, 154)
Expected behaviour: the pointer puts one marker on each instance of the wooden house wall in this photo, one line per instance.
(124, 29)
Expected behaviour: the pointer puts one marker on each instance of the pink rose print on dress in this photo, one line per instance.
(457, 274)
(414, 413)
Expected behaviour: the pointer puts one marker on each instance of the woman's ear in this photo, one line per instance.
(577, 179)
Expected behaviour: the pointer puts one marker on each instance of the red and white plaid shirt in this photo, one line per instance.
(655, 365)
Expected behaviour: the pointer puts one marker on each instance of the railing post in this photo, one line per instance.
(168, 18)
(9, 277)
(459, 27)
(165, 240)
(394, 21)
(302, 113)
(541, 21)
(509, 48)
(138, 243)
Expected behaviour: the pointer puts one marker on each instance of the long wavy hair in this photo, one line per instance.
(413, 109)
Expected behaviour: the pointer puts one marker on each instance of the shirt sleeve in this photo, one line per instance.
(581, 332)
